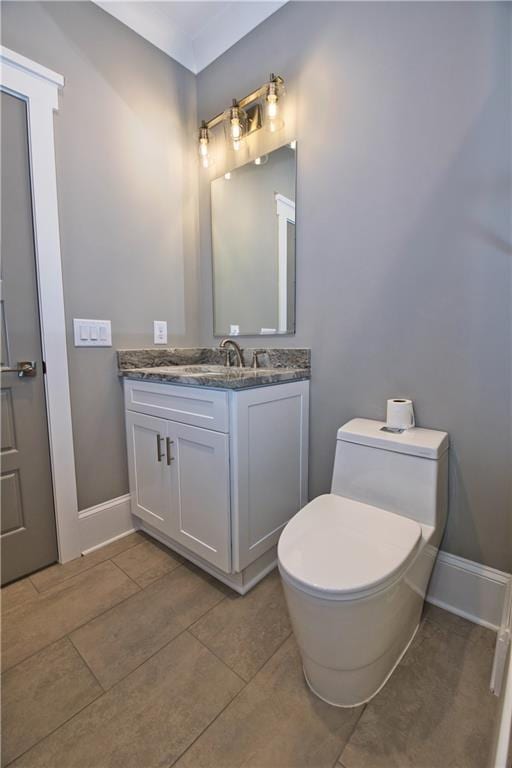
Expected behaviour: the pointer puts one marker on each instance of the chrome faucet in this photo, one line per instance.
(238, 352)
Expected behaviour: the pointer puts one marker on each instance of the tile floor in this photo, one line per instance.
(132, 657)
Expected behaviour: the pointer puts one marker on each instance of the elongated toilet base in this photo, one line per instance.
(340, 682)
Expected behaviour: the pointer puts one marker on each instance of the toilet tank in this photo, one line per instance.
(405, 473)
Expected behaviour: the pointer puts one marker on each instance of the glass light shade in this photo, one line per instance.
(273, 104)
(235, 126)
(204, 145)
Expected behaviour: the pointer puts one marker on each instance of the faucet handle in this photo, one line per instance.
(255, 355)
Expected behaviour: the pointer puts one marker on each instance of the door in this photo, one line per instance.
(200, 492)
(149, 469)
(270, 462)
(28, 535)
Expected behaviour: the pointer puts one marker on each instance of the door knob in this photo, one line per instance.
(24, 368)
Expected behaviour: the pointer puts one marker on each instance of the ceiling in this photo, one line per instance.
(196, 32)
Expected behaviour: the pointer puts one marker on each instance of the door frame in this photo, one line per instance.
(39, 88)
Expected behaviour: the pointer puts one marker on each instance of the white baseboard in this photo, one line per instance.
(105, 522)
(471, 590)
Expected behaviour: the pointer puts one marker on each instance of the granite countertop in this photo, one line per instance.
(205, 367)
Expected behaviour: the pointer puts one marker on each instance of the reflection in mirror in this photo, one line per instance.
(253, 246)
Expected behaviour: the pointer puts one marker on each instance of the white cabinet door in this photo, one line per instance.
(200, 492)
(269, 465)
(150, 474)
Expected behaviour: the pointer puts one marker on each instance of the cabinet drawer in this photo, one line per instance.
(207, 408)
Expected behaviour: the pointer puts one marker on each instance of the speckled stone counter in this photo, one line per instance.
(205, 367)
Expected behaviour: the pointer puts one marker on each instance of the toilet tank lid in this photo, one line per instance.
(427, 443)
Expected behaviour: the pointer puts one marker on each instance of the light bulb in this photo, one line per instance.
(235, 128)
(272, 106)
(204, 140)
(293, 144)
(257, 161)
(227, 176)
(274, 92)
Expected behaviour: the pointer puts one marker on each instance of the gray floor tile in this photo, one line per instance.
(57, 573)
(457, 624)
(121, 639)
(245, 631)
(147, 562)
(40, 694)
(148, 719)
(275, 722)
(436, 710)
(39, 622)
(16, 594)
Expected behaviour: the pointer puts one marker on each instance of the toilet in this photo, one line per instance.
(355, 563)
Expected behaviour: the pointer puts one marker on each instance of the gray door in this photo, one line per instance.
(28, 537)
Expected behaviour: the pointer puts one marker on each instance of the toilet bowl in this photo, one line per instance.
(355, 563)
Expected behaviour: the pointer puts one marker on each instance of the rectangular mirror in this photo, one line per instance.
(253, 246)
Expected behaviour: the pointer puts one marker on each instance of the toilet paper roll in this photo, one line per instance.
(400, 413)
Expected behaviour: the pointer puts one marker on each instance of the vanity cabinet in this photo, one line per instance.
(180, 483)
(216, 474)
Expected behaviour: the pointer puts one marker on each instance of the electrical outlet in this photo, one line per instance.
(160, 331)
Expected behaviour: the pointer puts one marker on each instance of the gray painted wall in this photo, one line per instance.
(245, 242)
(127, 207)
(403, 236)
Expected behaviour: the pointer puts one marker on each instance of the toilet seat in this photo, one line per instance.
(338, 548)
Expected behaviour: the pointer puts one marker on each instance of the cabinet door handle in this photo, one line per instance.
(168, 443)
(159, 453)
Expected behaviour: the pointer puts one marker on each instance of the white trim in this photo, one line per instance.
(106, 522)
(105, 506)
(38, 87)
(503, 642)
(471, 590)
(501, 684)
(32, 68)
(285, 211)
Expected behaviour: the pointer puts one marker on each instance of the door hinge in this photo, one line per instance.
(44, 367)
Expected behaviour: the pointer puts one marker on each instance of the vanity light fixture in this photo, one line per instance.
(245, 116)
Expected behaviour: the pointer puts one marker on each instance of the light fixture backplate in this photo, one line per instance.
(254, 118)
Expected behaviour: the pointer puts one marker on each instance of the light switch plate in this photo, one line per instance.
(160, 332)
(92, 333)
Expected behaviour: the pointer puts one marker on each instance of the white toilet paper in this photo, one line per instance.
(400, 413)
